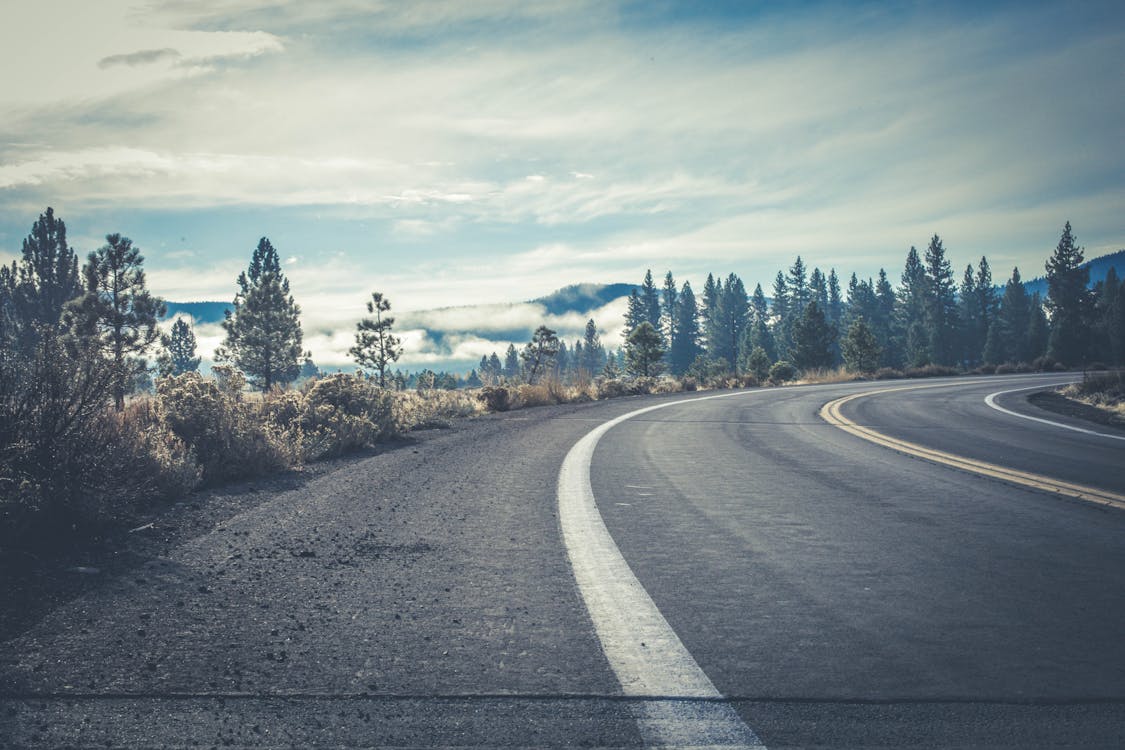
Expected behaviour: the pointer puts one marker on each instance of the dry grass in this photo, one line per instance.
(1103, 390)
(827, 376)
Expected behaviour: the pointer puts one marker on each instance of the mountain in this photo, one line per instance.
(1099, 267)
(582, 298)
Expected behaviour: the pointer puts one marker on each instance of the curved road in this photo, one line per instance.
(842, 594)
(836, 592)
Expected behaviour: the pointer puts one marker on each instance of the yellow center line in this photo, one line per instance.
(831, 413)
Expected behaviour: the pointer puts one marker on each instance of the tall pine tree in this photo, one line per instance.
(264, 329)
(685, 339)
(375, 346)
(1069, 301)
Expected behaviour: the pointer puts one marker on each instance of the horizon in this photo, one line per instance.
(449, 154)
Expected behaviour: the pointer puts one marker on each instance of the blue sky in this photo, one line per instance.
(457, 153)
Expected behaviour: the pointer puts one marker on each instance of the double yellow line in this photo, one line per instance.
(831, 413)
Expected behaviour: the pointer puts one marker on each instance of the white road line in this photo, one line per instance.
(685, 709)
(990, 399)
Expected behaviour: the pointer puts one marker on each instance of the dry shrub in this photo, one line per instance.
(827, 376)
(1007, 368)
(229, 436)
(344, 413)
(435, 408)
(1100, 389)
(533, 395)
(887, 373)
(496, 397)
(931, 371)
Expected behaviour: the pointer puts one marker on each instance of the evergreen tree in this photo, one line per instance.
(593, 353)
(669, 299)
(1105, 310)
(644, 350)
(118, 313)
(941, 305)
(375, 346)
(969, 316)
(511, 363)
(759, 334)
(780, 310)
(987, 303)
(264, 330)
(757, 363)
(1115, 323)
(798, 288)
(1069, 301)
(539, 354)
(818, 290)
(729, 320)
(883, 322)
(860, 348)
(1012, 324)
(40, 284)
(685, 340)
(650, 301)
(710, 306)
(179, 354)
(812, 339)
(634, 313)
(835, 310)
(911, 308)
(612, 370)
(473, 380)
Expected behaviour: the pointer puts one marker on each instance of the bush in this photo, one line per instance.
(496, 397)
(887, 373)
(985, 369)
(931, 371)
(533, 395)
(1005, 369)
(434, 408)
(229, 439)
(1043, 364)
(782, 372)
(344, 413)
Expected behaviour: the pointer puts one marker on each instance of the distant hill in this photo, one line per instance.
(582, 298)
(1099, 267)
(201, 312)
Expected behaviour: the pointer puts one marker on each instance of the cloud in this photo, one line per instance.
(143, 57)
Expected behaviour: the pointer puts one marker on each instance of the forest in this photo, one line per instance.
(89, 439)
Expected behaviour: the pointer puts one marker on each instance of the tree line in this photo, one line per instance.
(811, 323)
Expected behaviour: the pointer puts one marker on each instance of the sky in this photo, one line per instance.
(451, 153)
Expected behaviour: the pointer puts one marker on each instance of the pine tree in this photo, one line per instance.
(560, 366)
(818, 290)
(179, 354)
(1012, 323)
(812, 339)
(798, 288)
(41, 283)
(634, 313)
(835, 309)
(1115, 324)
(685, 340)
(911, 308)
(860, 348)
(759, 334)
(780, 310)
(669, 301)
(539, 354)
(511, 363)
(729, 320)
(757, 363)
(593, 353)
(118, 312)
(941, 305)
(710, 305)
(264, 330)
(650, 301)
(969, 316)
(1105, 309)
(883, 322)
(644, 350)
(375, 346)
(1069, 301)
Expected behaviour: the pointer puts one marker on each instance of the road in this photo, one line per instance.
(834, 592)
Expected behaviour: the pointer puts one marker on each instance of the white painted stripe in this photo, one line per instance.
(990, 399)
(645, 653)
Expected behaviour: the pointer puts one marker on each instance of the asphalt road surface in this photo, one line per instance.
(836, 593)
